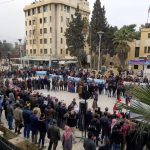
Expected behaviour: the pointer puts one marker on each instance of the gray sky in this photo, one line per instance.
(118, 13)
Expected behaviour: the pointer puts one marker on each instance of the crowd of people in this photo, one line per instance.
(41, 115)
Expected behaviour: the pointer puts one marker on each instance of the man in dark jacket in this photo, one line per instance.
(89, 143)
(95, 124)
(26, 118)
(53, 134)
(89, 117)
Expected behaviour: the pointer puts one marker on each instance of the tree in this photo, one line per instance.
(99, 23)
(121, 40)
(75, 37)
(6, 48)
(141, 104)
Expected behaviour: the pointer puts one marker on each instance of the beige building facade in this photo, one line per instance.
(45, 25)
(140, 49)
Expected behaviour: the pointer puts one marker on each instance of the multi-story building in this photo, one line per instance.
(45, 24)
(140, 49)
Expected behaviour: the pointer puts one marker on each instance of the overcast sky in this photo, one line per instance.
(118, 13)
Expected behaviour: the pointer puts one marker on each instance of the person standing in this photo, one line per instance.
(26, 118)
(1, 106)
(18, 118)
(42, 129)
(9, 109)
(34, 126)
(116, 138)
(89, 143)
(67, 139)
(53, 134)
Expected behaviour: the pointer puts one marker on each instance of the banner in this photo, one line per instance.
(41, 73)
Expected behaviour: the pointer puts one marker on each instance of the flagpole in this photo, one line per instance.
(148, 18)
(148, 15)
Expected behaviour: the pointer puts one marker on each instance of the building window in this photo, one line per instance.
(30, 41)
(33, 32)
(45, 20)
(145, 49)
(51, 40)
(65, 8)
(26, 33)
(45, 30)
(34, 51)
(33, 11)
(39, 9)
(40, 31)
(33, 22)
(30, 51)
(29, 13)
(40, 20)
(61, 51)
(68, 9)
(61, 40)
(61, 18)
(41, 51)
(148, 49)
(67, 51)
(45, 51)
(71, 16)
(135, 66)
(50, 18)
(40, 41)
(148, 35)
(62, 6)
(34, 41)
(26, 42)
(50, 29)
(25, 13)
(29, 22)
(45, 41)
(137, 51)
(26, 23)
(45, 8)
(50, 50)
(61, 29)
(30, 33)
(50, 7)
(67, 21)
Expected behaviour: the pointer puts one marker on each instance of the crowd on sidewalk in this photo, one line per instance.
(44, 115)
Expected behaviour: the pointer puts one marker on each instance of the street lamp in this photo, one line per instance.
(20, 50)
(99, 53)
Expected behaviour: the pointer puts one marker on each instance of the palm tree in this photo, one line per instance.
(121, 41)
(141, 104)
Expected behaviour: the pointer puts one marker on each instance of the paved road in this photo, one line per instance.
(103, 101)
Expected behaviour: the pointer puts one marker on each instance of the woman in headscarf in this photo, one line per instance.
(67, 139)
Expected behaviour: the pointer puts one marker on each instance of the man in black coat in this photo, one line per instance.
(53, 134)
(89, 117)
(89, 143)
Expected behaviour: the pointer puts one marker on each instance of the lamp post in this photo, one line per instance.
(99, 53)
(20, 50)
(50, 60)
